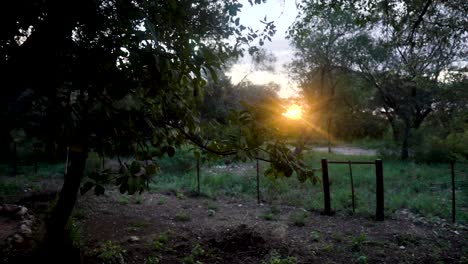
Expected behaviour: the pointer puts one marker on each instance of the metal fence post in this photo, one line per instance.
(379, 212)
(352, 184)
(258, 183)
(452, 165)
(326, 187)
(198, 175)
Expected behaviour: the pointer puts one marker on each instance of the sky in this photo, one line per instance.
(283, 13)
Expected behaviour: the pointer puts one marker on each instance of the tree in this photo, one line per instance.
(401, 49)
(107, 75)
(113, 76)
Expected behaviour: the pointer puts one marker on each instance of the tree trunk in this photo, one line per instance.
(58, 221)
(406, 143)
(15, 161)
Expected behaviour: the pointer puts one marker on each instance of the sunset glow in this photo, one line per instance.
(293, 112)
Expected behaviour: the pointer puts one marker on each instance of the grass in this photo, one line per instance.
(182, 217)
(26, 179)
(423, 188)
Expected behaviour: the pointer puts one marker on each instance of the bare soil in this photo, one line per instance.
(229, 230)
(347, 150)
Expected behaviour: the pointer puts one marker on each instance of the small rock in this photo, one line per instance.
(456, 232)
(211, 212)
(27, 222)
(25, 230)
(239, 205)
(133, 239)
(402, 247)
(17, 238)
(21, 212)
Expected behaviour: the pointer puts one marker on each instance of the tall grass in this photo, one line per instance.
(423, 188)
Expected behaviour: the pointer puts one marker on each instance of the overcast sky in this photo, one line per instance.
(283, 13)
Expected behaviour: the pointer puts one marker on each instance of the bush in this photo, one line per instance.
(433, 149)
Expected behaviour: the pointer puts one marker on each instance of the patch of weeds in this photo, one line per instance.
(406, 240)
(162, 201)
(182, 217)
(358, 241)
(276, 258)
(152, 260)
(8, 188)
(269, 216)
(337, 237)
(139, 224)
(362, 259)
(180, 195)
(327, 248)
(74, 233)
(211, 212)
(160, 244)
(79, 214)
(123, 200)
(298, 219)
(139, 199)
(197, 253)
(110, 253)
(315, 236)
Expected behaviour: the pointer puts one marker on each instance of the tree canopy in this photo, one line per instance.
(404, 50)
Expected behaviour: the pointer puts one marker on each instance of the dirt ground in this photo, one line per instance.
(228, 230)
(347, 150)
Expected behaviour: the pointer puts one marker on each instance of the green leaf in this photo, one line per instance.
(151, 169)
(135, 167)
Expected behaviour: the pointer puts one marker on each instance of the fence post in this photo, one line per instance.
(452, 165)
(258, 183)
(379, 212)
(352, 184)
(326, 187)
(198, 175)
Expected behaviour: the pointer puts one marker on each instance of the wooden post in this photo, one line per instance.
(452, 165)
(198, 176)
(352, 184)
(258, 183)
(15, 161)
(379, 211)
(326, 188)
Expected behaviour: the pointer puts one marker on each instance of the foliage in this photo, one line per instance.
(276, 258)
(119, 75)
(182, 217)
(358, 241)
(399, 48)
(110, 253)
(298, 218)
(196, 253)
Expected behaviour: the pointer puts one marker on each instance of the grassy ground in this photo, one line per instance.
(423, 188)
(27, 180)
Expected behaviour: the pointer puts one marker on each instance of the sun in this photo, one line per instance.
(293, 112)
